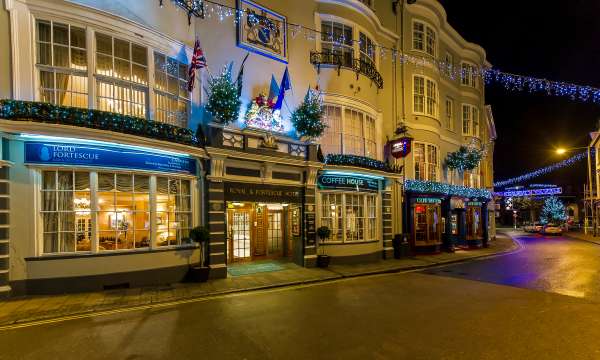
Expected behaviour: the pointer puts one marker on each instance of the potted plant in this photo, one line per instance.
(199, 273)
(323, 260)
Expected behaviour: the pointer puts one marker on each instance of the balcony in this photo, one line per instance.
(362, 162)
(359, 66)
(94, 119)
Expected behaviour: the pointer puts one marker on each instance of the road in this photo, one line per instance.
(438, 314)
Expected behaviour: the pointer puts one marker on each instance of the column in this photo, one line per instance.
(216, 256)
(309, 231)
(4, 231)
(387, 221)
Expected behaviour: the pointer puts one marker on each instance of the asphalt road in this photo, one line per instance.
(397, 316)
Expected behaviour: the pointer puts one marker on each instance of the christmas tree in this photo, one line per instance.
(223, 99)
(308, 117)
(553, 211)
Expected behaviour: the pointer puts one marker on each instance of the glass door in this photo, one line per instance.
(275, 233)
(239, 235)
(474, 223)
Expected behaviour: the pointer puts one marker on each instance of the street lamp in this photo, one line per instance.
(562, 151)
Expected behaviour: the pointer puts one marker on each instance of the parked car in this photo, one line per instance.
(533, 228)
(552, 229)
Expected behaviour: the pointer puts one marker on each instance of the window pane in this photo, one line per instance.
(46, 80)
(61, 34)
(139, 54)
(44, 54)
(43, 31)
(61, 56)
(78, 37)
(140, 74)
(122, 69)
(106, 182)
(122, 49)
(78, 59)
(104, 65)
(104, 44)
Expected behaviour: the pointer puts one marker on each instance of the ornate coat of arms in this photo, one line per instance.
(261, 115)
(262, 31)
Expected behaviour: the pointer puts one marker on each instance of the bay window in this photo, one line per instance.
(470, 120)
(426, 161)
(349, 131)
(122, 76)
(62, 63)
(425, 95)
(338, 39)
(117, 211)
(351, 217)
(172, 98)
(424, 38)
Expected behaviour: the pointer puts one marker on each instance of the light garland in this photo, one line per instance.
(545, 170)
(431, 187)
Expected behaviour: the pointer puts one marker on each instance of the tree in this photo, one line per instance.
(308, 117)
(553, 211)
(223, 98)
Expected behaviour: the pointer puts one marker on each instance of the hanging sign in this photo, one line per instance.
(354, 182)
(401, 147)
(50, 153)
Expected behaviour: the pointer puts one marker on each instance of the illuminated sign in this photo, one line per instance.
(400, 148)
(474, 203)
(428, 200)
(354, 182)
(536, 192)
(51, 153)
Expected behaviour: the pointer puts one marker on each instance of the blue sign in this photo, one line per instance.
(347, 182)
(49, 153)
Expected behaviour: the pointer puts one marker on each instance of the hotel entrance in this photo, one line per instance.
(257, 231)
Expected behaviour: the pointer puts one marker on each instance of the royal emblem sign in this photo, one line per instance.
(262, 31)
(262, 115)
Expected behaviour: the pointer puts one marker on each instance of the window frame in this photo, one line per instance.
(426, 98)
(38, 172)
(426, 31)
(427, 164)
(468, 77)
(473, 128)
(178, 98)
(368, 221)
(343, 136)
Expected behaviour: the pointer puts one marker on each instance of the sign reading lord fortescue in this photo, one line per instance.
(262, 193)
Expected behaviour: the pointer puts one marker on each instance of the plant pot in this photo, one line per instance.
(198, 273)
(323, 261)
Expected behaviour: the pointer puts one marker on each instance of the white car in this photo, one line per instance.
(533, 228)
(551, 229)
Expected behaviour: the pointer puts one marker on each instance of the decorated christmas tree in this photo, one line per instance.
(223, 98)
(553, 211)
(308, 117)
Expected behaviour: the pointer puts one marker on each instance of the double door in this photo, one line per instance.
(474, 223)
(427, 226)
(257, 231)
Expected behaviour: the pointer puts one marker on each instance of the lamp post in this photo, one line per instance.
(562, 151)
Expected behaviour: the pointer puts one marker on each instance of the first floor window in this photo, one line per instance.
(470, 120)
(425, 96)
(350, 217)
(172, 98)
(472, 178)
(121, 219)
(122, 98)
(337, 39)
(450, 114)
(367, 49)
(349, 131)
(424, 38)
(426, 161)
(468, 75)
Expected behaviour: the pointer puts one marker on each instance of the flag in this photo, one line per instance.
(198, 62)
(274, 90)
(241, 76)
(285, 85)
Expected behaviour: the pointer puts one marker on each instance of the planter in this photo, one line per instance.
(198, 273)
(323, 261)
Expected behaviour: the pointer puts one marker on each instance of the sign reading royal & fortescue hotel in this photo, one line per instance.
(262, 193)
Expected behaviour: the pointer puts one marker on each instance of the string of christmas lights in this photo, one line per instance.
(545, 170)
(513, 82)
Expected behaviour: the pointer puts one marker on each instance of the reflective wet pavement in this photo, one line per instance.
(392, 316)
(555, 264)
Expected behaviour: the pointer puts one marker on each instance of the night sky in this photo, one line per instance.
(556, 40)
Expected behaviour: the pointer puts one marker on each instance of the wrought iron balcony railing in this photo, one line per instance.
(358, 65)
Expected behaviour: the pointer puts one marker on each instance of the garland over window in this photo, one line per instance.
(466, 158)
(96, 119)
(361, 161)
(430, 187)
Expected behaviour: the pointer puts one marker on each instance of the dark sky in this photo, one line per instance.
(556, 40)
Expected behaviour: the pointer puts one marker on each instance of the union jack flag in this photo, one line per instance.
(198, 62)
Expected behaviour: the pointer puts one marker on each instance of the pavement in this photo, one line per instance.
(580, 235)
(42, 309)
(408, 315)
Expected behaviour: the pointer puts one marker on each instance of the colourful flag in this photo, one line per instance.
(274, 90)
(286, 84)
(198, 62)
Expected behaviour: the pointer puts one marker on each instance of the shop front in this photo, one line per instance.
(443, 216)
(356, 207)
(96, 215)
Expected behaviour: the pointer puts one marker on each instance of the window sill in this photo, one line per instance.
(327, 243)
(424, 53)
(81, 255)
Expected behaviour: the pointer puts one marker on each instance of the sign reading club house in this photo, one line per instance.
(48, 153)
(354, 182)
